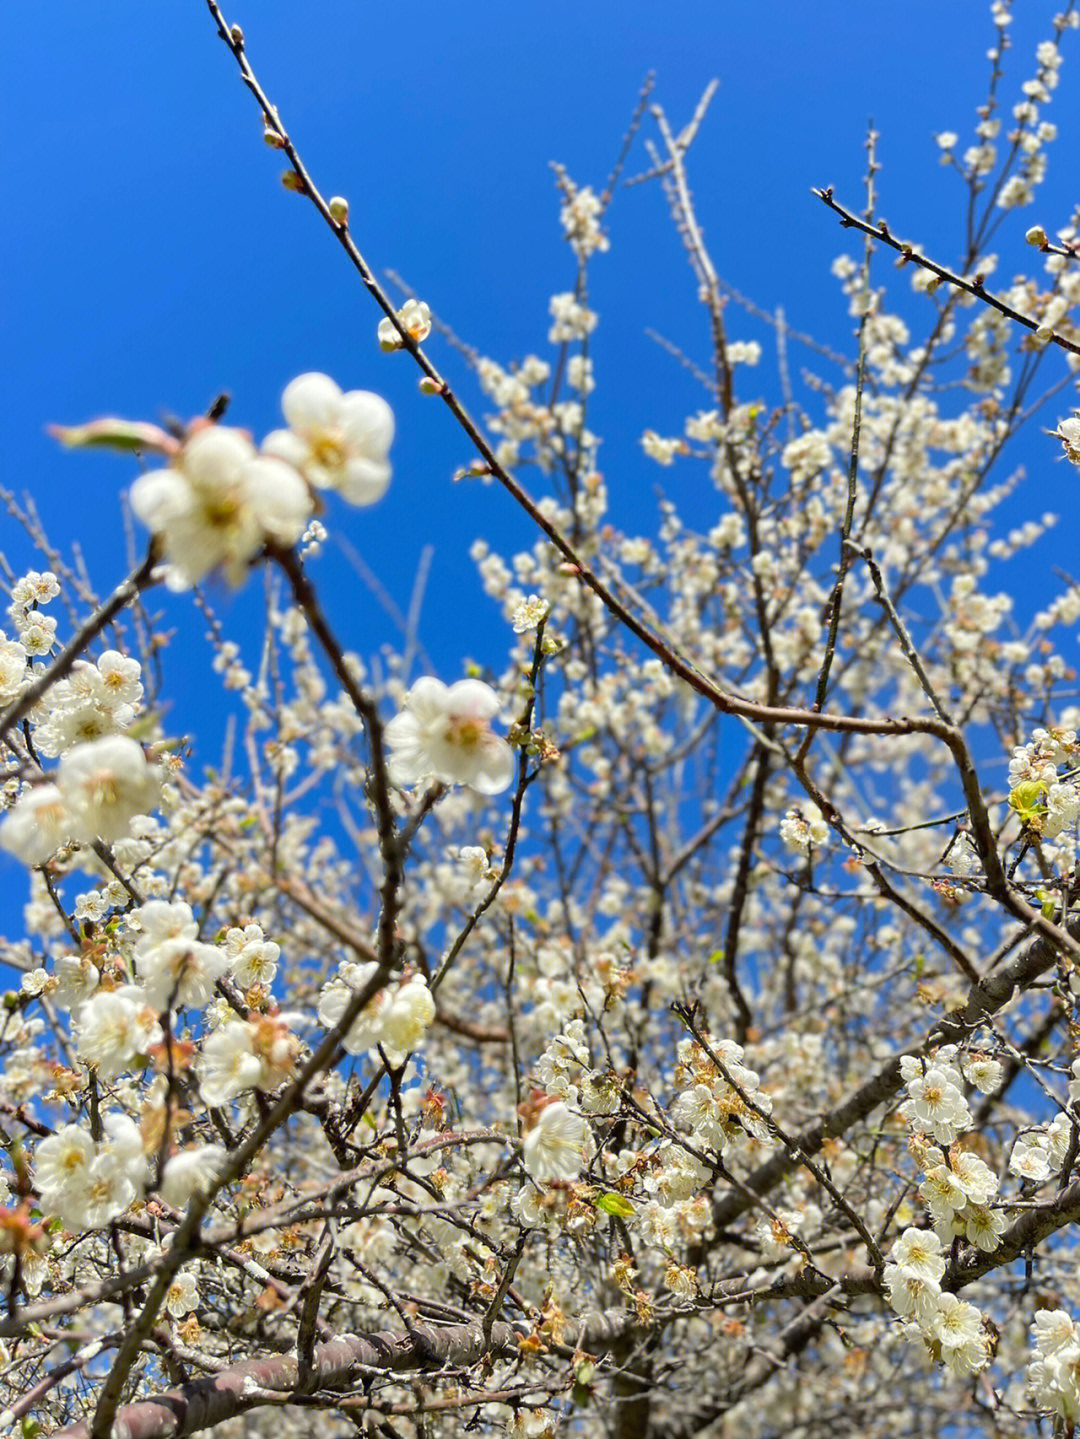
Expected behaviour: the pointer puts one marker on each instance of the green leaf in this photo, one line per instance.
(1028, 800)
(616, 1204)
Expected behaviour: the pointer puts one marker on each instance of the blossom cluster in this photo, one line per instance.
(1040, 1151)
(99, 787)
(221, 500)
(395, 1019)
(721, 1104)
(639, 899)
(86, 1184)
(1044, 781)
(1053, 1375)
(952, 1328)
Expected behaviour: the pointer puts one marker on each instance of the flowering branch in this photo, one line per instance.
(974, 287)
(128, 590)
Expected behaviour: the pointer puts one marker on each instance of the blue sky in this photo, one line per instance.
(152, 258)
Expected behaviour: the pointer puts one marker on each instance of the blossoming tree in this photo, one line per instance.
(673, 1034)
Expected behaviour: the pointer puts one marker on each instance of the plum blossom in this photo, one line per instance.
(1068, 432)
(94, 700)
(101, 784)
(974, 1176)
(558, 1145)
(1030, 1158)
(37, 826)
(918, 1252)
(183, 1295)
(190, 1172)
(802, 827)
(528, 614)
(175, 968)
(395, 1018)
(337, 441)
(12, 667)
(115, 1028)
(444, 733)
(61, 1164)
(414, 318)
(936, 1104)
(87, 1184)
(256, 1053)
(251, 957)
(228, 1064)
(219, 504)
(407, 1018)
(104, 784)
(1054, 1372)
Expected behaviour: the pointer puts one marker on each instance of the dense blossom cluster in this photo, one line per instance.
(1054, 1372)
(731, 1068)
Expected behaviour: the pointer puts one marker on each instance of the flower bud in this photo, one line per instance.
(428, 386)
(292, 181)
(339, 209)
(1036, 236)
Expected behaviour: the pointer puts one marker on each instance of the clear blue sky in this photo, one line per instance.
(151, 257)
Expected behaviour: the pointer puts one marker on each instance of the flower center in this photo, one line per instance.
(328, 448)
(465, 731)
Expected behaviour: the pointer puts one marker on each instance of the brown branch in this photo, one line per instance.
(338, 1364)
(679, 665)
(975, 287)
(986, 998)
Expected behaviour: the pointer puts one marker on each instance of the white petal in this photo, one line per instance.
(473, 698)
(311, 402)
(497, 771)
(427, 700)
(280, 499)
(362, 482)
(161, 497)
(367, 423)
(288, 446)
(214, 459)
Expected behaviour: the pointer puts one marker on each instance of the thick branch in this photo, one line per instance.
(985, 998)
(338, 1364)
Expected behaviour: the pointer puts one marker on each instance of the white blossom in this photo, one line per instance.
(189, 1172)
(444, 733)
(219, 504)
(38, 825)
(103, 785)
(337, 441)
(115, 1029)
(414, 318)
(559, 1144)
